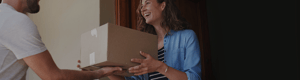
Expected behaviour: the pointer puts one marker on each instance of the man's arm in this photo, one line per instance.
(43, 65)
(116, 77)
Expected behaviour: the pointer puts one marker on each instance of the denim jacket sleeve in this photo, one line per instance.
(192, 63)
(140, 77)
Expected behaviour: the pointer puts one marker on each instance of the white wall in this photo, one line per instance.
(61, 22)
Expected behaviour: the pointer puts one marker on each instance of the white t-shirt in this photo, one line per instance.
(19, 38)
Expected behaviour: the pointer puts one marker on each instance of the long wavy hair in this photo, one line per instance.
(172, 19)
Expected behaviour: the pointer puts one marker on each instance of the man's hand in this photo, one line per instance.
(106, 71)
(43, 65)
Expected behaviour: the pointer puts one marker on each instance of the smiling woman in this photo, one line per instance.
(195, 13)
(178, 47)
(171, 18)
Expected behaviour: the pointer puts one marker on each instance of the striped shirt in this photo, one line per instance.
(157, 75)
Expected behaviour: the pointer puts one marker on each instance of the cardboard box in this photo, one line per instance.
(110, 45)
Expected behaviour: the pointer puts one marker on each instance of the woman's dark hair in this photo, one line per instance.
(172, 19)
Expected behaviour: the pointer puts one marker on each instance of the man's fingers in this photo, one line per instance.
(84, 70)
(144, 54)
(78, 66)
(119, 72)
(137, 60)
(79, 61)
(117, 69)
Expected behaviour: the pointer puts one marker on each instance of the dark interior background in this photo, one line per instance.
(254, 39)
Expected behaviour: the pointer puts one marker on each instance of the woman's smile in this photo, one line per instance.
(147, 14)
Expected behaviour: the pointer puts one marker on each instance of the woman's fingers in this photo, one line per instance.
(135, 68)
(137, 60)
(79, 61)
(145, 54)
(141, 71)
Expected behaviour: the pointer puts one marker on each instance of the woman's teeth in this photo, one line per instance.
(147, 14)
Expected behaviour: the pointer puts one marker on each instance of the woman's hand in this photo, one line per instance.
(148, 65)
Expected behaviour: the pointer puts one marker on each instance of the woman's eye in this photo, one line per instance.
(147, 2)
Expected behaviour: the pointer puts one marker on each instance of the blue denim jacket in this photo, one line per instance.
(182, 52)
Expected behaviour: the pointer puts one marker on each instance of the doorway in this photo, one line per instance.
(194, 11)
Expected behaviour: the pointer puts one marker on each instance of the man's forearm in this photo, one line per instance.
(78, 75)
(43, 65)
(116, 77)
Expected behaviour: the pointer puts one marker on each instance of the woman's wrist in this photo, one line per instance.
(162, 68)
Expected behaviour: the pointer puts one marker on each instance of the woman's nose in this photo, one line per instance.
(143, 9)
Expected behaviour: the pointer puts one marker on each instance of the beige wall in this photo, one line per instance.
(61, 22)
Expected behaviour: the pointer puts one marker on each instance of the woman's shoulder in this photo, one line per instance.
(185, 32)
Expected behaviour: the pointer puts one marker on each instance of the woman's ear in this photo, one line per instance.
(163, 5)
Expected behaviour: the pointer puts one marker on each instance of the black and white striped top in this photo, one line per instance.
(157, 75)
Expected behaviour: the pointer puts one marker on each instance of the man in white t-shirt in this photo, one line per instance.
(21, 46)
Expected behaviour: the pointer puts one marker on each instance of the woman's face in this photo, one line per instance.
(152, 11)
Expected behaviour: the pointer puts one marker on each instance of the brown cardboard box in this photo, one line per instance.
(110, 45)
